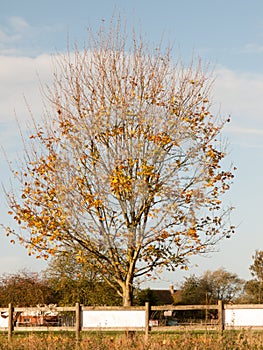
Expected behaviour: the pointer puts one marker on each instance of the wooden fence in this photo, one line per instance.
(133, 318)
(219, 324)
(110, 318)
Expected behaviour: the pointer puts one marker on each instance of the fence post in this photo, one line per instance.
(78, 321)
(147, 318)
(10, 321)
(220, 316)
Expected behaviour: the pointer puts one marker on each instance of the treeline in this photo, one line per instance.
(66, 282)
(220, 284)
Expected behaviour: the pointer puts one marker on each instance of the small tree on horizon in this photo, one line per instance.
(256, 270)
(125, 167)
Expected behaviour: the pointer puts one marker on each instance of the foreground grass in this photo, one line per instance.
(229, 340)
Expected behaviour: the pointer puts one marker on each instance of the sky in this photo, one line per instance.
(226, 34)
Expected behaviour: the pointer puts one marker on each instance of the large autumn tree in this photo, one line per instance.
(126, 163)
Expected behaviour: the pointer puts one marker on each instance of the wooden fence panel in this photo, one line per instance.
(144, 316)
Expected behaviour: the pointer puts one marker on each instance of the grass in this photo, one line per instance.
(229, 340)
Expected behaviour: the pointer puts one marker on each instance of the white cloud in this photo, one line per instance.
(252, 48)
(241, 96)
(18, 23)
(13, 31)
(19, 37)
(3, 36)
(247, 131)
(19, 77)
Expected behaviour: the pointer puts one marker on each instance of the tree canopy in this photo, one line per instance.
(25, 288)
(252, 294)
(256, 268)
(125, 167)
(253, 290)
(209, 288)
(79, 282)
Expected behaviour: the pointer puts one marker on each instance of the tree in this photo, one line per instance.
(252, 292)
(224, 285)
(78, 282)
(25, 289)
(209, 288)
(256, 270)
(126, 163)
(189, 292)
(146, 295)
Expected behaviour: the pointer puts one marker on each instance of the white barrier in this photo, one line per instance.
(113, 319)
(243, 317)
(3, 320)
(134, 318)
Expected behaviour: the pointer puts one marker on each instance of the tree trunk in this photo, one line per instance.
(127, 295)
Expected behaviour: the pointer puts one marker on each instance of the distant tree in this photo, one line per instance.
(189, 292)
(256, 268)
(209, 288)
(146, 295)
(224, 285)
(253, 291)
(25, 289)
(74, 281)
(126, 163)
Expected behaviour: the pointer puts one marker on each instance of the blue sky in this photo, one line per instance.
(227, 34)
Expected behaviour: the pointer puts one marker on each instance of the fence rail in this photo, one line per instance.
(83, 318)
(103, 318)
